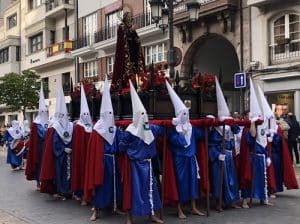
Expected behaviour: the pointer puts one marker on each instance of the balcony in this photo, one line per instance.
(208, 8)
(58, 48)
(284, 53)
(106, 37)
(55, 8)
(259, 3)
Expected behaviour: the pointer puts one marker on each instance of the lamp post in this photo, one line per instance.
(164, 18)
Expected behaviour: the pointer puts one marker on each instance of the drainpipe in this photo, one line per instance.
(242, 106)
(76, 35)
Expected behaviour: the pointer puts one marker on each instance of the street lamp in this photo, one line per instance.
(164, 18)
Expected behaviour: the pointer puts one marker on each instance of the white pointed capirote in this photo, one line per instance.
(140, 122)
(223, 111)
(255, 111)
(255, 114)
(61, 123)
(267, 111)
(42, 117)
(105, 126)
(182, 120)
(85, 119)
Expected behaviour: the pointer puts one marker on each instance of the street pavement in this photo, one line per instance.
(21, 204)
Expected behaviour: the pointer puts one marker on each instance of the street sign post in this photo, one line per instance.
(239, 80)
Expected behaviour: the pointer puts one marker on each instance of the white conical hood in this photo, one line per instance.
(267, 112)
(105, 126)
(85, 119)
(61, 122)
(223, 111)
(176, 101)
(140, 126)
(15, 130)
(181, 121)
(42, 117)
(255, 111)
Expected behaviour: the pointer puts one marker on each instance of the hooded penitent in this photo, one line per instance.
(140, 123)
(61, 123)
(223, 112)
(85, 119)
(15, 130)
(256, 113)
(42, 117)
(105, 126)
(181, 121)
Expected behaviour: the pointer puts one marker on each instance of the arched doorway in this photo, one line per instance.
(214, 54)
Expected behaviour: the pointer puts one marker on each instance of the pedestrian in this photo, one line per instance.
(56, 165)
(141, 196)
(183, 140)
(36, 142)
(81, 135)
(102, 177)
(293, 134)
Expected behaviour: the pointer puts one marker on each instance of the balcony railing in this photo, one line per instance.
(284, 53)
(106, 33)
(65, 46)
(52, 4)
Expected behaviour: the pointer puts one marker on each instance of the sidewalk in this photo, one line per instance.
(6, 218)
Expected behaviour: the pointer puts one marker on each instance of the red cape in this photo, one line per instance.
(79, 151)
(94, 168)
(48, 169)
(33, 153)
(244, 171)
(202, 159)
(289, 177)
(270, 171)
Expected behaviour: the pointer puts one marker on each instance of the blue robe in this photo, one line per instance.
(12, 159)
(140, 155)
(105, 195)
(230, 183)
(62, 162)
(41, 132)
(185, 163)
(277, 162)
(260, 190)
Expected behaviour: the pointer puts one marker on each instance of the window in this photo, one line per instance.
(36, 43)
(90, 27)
(12, 21)
(18, 53)
(52, 37)
(90, 69)
(147, 12)
(32, 4)
(112, 21)
(46, 87)
(110, 64)
(155, 53)
(66, 34)
(66, 82)
(285, 41)
(4, 55)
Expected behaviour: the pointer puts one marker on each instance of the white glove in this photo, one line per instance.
(268, 161)
(237, 151)
(253, 119)
(68, 150)
(221, 157)
(270, 139)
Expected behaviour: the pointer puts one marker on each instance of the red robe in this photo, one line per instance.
(48, 168)
(79, 151)
(94, 166)
(33, 154)
(270, 171)
(289, 177)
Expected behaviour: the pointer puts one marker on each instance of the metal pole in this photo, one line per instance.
(171, 53)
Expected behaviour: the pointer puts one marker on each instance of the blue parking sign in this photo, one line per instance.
(240, 80)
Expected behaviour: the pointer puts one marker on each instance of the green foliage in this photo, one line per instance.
(20, 91)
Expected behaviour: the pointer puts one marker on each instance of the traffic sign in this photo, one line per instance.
(240, 80)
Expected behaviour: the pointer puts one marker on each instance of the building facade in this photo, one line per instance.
(275, 51)
(10, 53)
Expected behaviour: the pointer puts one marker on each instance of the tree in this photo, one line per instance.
(20, 91)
